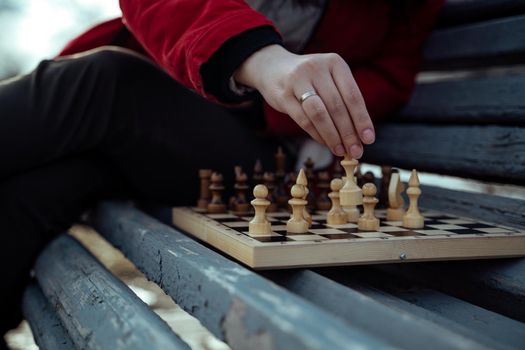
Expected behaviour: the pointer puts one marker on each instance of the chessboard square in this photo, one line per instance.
(347, 225)
(236, 224)
(306, 238)
(447, 227)
(279, 228)
(391, 229)
(321, 212)
(327, 231)
(221, 216)
(393, 223)
(494, 230)
(371, 234)
(434, 232)
(318, 217)
(457, 221)
(271, 234)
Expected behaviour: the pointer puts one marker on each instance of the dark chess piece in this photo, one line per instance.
(216, 205)
(323, 185)
(239, 203)
(269, 182)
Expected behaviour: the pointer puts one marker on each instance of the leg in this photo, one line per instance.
(156, 131)
(34, 208)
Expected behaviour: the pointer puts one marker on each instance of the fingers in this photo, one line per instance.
(295, 111)
(354, 101)
(315, 109)
(339, 113)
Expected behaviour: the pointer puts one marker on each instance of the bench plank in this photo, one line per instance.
(494, 153)
(496, 209)
(488, 328)
(45, 325)
(98, 310)
(364, 311)
(489, 100)
(466, 46)
(235, 304)
(465, 11)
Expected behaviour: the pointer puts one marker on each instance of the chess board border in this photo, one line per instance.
(294, 254)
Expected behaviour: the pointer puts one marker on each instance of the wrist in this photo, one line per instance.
(251, 72)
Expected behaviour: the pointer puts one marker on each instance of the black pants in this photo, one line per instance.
(77, 130)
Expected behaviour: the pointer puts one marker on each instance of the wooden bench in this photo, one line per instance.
(471, 124)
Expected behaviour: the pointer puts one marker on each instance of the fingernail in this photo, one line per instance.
(339, 150)
(368, 136)
(356, 151)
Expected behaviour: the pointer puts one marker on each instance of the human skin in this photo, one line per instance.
(337, 117)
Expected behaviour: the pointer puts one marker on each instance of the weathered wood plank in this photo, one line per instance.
(45, 325)
(499, 41)
(491, 329)
(372, 315)
(494, 153)
(97, 310)
(464, 11)
(235, 304)
(490, 100)
(499, 210)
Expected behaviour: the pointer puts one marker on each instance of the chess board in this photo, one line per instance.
(444, 237)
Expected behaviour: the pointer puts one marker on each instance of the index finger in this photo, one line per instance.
(347, 86)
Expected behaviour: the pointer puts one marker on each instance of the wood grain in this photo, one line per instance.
(233, 302)
(48, 332)
(96, 309)
(494, 153)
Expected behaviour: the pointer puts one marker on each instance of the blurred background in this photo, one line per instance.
(31, 30)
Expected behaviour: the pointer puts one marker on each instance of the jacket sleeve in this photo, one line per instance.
(182, 35)
(387, 81)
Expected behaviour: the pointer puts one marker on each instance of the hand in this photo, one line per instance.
(336, 117)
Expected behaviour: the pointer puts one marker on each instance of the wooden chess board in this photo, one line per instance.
(444, 237)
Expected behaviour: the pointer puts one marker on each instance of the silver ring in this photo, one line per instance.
(307, 94)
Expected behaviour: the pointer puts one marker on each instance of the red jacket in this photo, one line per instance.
(381, 44)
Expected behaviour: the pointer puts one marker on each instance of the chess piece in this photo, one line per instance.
(302, 180)
(310, 176)
(359, 180)
(257, 177)
(386, 174)
(367, 221)
(280, 192)
(350, 194)
(413, 218)
(336, 215)
(239, 203)
(369, 177)
(216, 205)
(352, 212)
(205, 194)
(259, 225)
(395, 209)
(269, 182)
(297, 223)
(323, 185)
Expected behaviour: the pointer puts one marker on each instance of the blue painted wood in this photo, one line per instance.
(45, 325)
(465, 11)
(484, 152)
(372, 315)
(404, 295)
(97, 310)
(499, 41)
(496, 100)
(234, 303)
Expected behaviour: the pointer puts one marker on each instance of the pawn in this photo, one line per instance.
(336, 215)
(367, 221)
(205, 195)
(239, 203)
(216, 205)
(259, 225)
(257, 177)
(413, 218)
(297, 223)
(352, 212)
